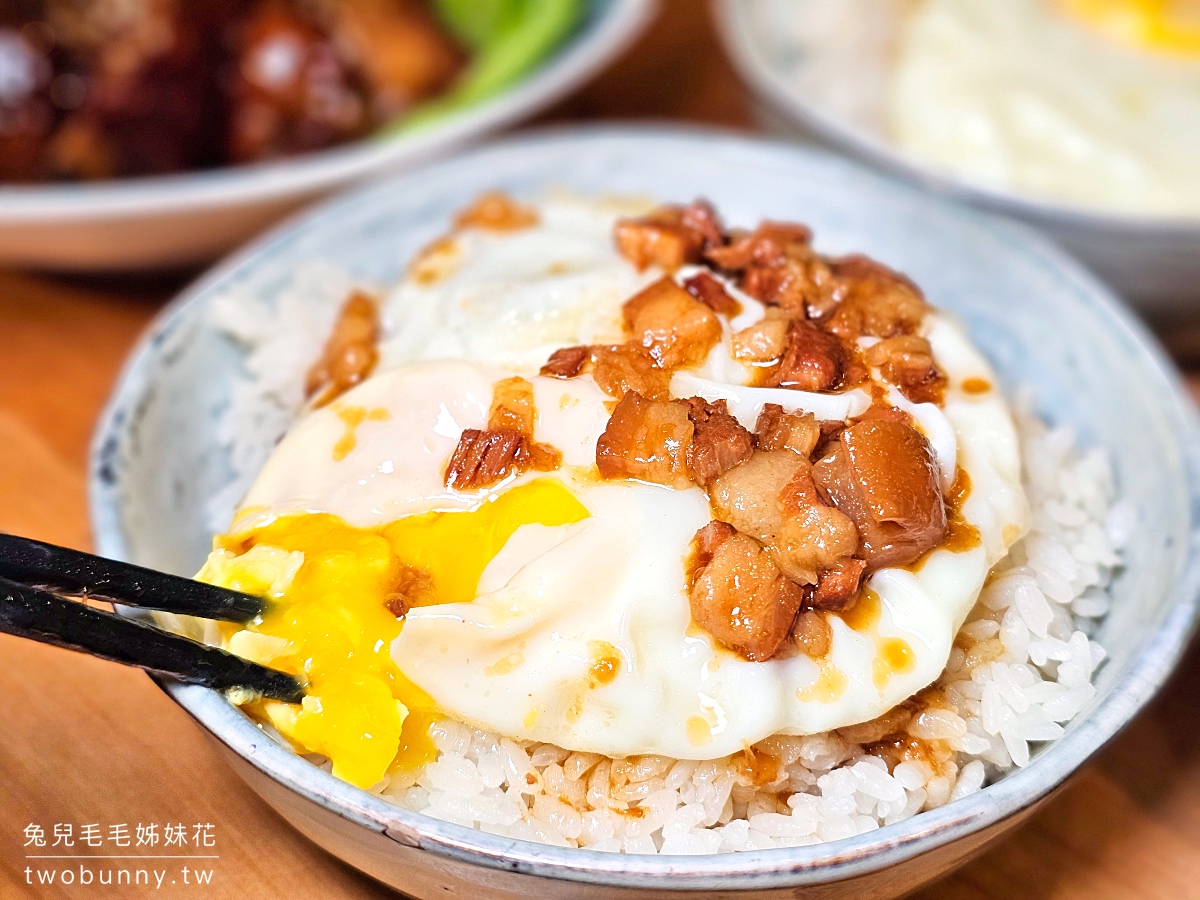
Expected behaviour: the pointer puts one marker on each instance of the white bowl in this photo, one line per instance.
(158, 458)
(181, 220)
(1154, 263)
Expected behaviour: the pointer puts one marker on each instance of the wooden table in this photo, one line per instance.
(87, 742)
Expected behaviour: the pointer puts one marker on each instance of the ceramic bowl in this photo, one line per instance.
(174, 221)
(1041, 319)
(1154, 263)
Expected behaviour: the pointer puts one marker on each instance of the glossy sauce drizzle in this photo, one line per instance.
(829, 686)
(352, 417)
(893, 655)
(961, 535)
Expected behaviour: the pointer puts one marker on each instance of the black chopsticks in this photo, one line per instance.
(46, 565)
(32, 574)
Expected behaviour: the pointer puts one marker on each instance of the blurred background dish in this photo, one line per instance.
(157, 134)
(1077, 116)
(102, 90)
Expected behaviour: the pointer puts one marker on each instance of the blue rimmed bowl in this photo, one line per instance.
(158, 459)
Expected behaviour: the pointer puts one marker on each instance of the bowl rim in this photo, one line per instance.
(581, 57)
(770, 84)
(1143, 674)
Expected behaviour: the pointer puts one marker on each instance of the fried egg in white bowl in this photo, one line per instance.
(611, 527)
(1074, 115)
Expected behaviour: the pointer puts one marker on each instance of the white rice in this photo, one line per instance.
(1020, 670)
(265, 400)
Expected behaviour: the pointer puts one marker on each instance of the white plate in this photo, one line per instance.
(185, 219)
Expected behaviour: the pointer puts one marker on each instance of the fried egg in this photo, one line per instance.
(1093, 103)
(557, 604)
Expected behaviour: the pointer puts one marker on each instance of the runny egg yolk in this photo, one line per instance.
(360, 711)
(1159, 26)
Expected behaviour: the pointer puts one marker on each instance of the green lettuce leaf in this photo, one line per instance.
(508, 39)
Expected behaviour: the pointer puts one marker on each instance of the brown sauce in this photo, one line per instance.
(699, 732)
(434, 262)
(961, 535)
(864, 614)
(352, 417)
(496, 211)
(606, 663)
(891, 741)
(897, 748)
(756, 768)
(829, 686)
(893, 656)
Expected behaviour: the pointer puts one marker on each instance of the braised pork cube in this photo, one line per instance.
(485, 458)
(512, 406)
(747, 496)
(779, 430)
(719, 442)
(670, 236)
(763, 342)
(566, 362)
(350, 353)
(705, 543)
(771, 244)
(659, 239)
(873, 300)
(814, 360)
(815, 537)
(496, 211)
(788, 286)
(507, 447)
(712, 294)
(772, 498)
(702, 219)
(837, 588)
(742, 599)
(907, 362)
(811, 634)
(646, 440)
(777, 265)
(620, 368)
(884, 476)
(677, 329)
(799, 286)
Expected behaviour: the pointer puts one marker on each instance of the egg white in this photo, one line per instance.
(514, 297)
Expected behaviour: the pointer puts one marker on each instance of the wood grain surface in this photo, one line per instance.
(89, 742)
